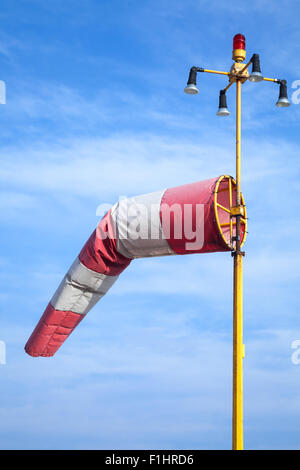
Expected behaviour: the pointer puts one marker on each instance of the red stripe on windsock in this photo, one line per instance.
(187, 197)
(51, 331)
(100, 251)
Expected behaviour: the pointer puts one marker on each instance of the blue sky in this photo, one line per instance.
(95, 109)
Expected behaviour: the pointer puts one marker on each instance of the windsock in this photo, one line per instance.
(193, 218)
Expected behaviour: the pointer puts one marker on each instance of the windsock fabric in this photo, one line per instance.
(179, 220)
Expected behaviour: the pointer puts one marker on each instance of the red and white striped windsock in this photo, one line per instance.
(194, 218)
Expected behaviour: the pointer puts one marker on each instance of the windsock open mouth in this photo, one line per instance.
(225, 201)
(193, 218)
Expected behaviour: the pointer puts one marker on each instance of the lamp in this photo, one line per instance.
(256, 75)
(191, 88)
(239, 45)
(283, 101)
(223, 110)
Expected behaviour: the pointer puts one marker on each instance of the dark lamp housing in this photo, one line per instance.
(283, 101)
(191, 88)
(223, 110)
(256, 75)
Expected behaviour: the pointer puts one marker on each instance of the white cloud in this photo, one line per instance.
(133, 164)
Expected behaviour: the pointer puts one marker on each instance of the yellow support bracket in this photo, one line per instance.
(219, 72)
(239, 71)
(237, 210)
(271, 79)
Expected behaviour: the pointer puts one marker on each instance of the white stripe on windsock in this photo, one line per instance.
(80, 289)
(138, 225)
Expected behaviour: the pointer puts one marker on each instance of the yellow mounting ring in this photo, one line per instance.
(226, 211)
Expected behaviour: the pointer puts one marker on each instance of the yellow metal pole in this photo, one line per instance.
(238, 74)
(238, 347)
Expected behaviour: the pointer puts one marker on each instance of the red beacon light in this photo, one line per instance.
(239, 42)
(239, 48)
